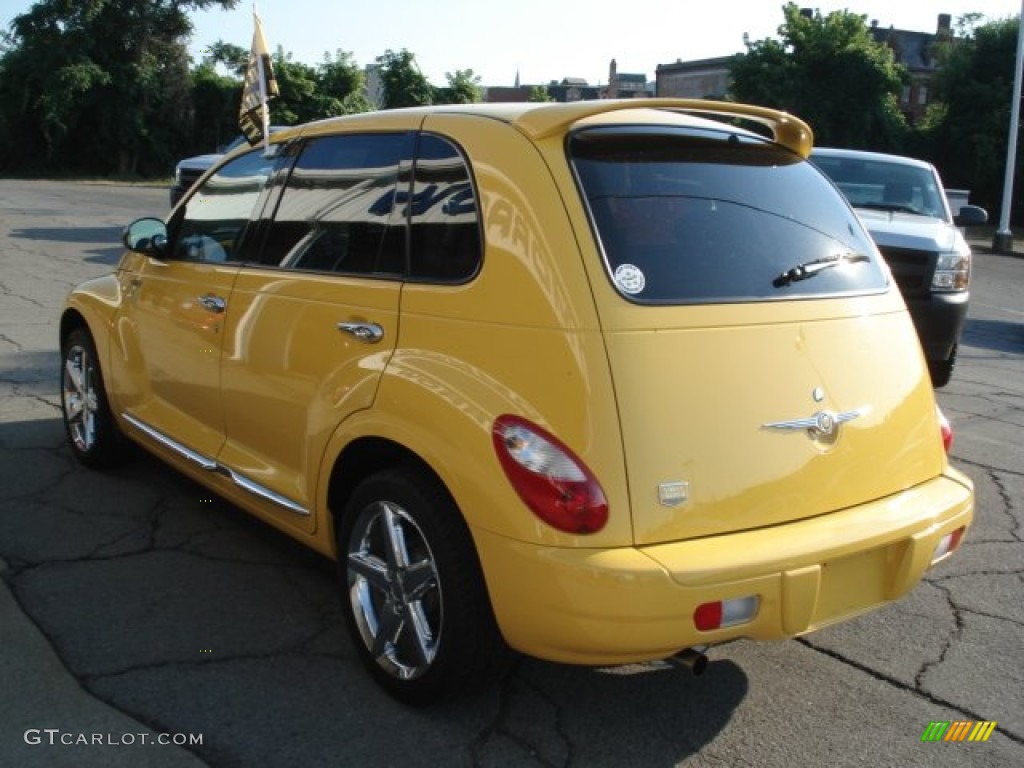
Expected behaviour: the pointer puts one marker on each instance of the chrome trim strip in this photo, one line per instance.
(206, 463)
(212, 466)
(258, 490)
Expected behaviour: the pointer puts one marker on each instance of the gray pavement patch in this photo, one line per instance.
(188, 609)
(37, 693)
(332, 717)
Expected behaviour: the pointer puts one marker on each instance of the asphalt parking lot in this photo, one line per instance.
(135, 604)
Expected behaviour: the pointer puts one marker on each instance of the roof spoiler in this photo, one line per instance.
(789, 131)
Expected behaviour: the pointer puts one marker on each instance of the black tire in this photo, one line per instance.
(92, 433)
(941, 371)
(423, 628)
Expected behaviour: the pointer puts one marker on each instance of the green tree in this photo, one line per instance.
(830, 72)
(98, 85)
(335, 87)
(539, 93)
(234, 58)
(965, 132)
(215, 102)
(463, 88)
(403, 83)
(297, 84)
(341, 85)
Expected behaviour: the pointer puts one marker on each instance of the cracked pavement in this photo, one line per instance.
(151, 606)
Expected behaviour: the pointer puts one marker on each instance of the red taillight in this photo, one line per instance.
(548, 477)
(725, 613)
(945, 429)
(708, 616)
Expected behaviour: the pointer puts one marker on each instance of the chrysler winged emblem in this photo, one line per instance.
(823, 424)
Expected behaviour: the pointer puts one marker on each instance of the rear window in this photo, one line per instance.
(690, 216)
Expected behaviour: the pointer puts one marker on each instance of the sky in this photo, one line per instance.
(541, 40)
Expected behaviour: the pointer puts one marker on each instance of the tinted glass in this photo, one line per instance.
(688, 216)
(885, 186)
(337, 211)
(445, 243)
(216, 214)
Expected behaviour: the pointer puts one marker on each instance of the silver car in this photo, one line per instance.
(904, 207)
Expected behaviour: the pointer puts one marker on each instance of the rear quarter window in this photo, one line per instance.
(698, 216)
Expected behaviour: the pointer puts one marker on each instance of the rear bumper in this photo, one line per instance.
(939, 320)
(632, 604)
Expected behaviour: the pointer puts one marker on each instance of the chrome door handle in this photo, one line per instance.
(212, 303)
(371, 333)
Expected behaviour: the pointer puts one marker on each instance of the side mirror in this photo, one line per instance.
(970, 216)
(148, 236)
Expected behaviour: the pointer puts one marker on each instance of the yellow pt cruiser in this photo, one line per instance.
(598, 382)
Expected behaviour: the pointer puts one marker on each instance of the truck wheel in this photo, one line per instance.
(941, 371)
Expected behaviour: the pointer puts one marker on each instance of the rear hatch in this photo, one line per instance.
(765, 369)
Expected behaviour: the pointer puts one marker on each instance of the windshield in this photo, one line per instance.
(885, 186)
(686, 216)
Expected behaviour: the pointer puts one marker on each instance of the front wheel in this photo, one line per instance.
(415, 602)
(92, 433)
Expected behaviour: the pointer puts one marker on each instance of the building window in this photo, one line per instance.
(922, 95)
(905, 95)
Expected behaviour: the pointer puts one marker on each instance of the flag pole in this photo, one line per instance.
(264, 105)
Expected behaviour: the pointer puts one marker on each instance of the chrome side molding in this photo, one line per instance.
(211, 465)
(263, 492)
(203, 461)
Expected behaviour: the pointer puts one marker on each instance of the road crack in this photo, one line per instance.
(915, 689)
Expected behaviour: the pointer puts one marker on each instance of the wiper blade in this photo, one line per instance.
(890, 207)
(811, 268)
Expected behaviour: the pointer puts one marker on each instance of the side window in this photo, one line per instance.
(337, 211)
(217, 213)
(445, 238)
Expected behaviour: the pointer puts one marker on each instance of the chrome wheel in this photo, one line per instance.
(81, 399)
(93, 435)
(394, 590)
(414, 597)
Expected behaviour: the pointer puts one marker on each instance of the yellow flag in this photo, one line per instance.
(259, 88)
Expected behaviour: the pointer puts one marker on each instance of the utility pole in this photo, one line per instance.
(1003, 240)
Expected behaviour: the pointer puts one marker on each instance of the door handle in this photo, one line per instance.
(371, 333)
(212, 303)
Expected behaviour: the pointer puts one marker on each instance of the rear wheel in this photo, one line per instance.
(415, 601)
(92, 433)
(942, 370)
